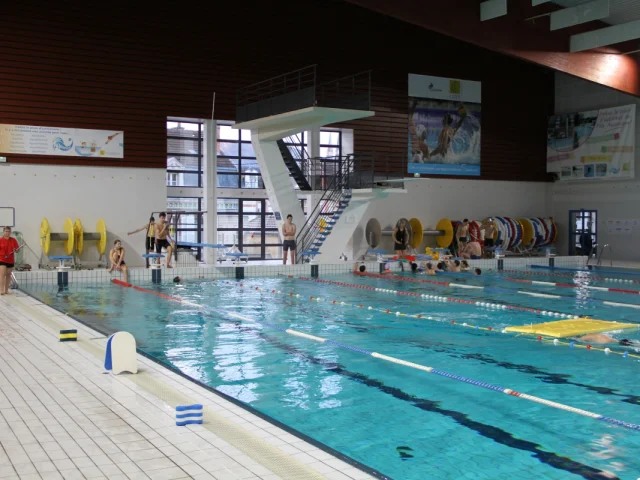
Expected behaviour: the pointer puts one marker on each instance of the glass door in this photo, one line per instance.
(583, 236)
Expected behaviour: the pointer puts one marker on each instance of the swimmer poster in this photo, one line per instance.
(59, 141)
(594, 145)
(444, 126)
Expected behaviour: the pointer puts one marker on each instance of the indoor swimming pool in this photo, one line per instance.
(235, 336)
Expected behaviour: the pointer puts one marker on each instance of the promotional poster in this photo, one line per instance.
(444, 126)
(594, 145)
(68, 142)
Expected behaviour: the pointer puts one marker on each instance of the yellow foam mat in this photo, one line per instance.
(570, 328)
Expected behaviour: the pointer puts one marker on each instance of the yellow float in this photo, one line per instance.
(571, 328)
(443, 232)
(99, 236)
(47, 236)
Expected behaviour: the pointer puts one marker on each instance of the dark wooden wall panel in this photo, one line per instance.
(128, 67)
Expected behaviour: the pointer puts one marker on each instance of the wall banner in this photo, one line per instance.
(594, 145)
(68, 142)
(444, 126)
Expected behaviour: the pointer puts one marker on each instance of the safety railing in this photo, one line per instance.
(299, 89)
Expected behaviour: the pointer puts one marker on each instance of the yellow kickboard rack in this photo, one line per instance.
(571, 328)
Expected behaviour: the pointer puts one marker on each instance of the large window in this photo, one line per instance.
(237, 165)
(250, 225)
(184, 153)
(190, 226)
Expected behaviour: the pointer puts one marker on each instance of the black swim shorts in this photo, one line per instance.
(288, 245)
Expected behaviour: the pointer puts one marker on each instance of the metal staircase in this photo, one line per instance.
(321, 221)
(291, 160)
(356, 171)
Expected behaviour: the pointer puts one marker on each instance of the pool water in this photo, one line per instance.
(405, 423)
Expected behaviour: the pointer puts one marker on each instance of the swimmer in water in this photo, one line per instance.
(601, 338)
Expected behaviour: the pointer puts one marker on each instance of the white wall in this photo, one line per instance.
(123, 197)
(611, 198)
(431, 199)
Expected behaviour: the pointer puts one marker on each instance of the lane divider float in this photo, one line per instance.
(489, 288)
(477, 303)
(338, 303)
(570, 275)
(416, 366)
(572, 285)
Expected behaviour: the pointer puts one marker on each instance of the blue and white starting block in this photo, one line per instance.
(62, 259)
(237, 257)
(156, 268)
(311, 254)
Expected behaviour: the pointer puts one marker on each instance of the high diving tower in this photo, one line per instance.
(288, 104)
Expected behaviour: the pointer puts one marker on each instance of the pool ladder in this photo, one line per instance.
(606, 245)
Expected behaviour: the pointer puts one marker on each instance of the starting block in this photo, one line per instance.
(156, 268)
(237, 257)
(62, 259)
(311, 254)
(63, 274)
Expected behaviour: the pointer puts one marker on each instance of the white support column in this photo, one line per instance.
(210, 191)
(283, 197)
(313, 144)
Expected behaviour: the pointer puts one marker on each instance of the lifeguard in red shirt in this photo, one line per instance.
(8, 247)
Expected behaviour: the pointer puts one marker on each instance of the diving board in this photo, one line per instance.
(571, 328)
(201, 245)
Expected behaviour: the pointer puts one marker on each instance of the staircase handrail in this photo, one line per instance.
(332, 194)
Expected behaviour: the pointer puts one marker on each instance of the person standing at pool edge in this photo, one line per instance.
(400, 237)
(163, 238)
(289, 243)
(150, 240)
(462, 234)
(8, 246)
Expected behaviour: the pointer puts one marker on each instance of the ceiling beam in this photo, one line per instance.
(605, 36)
(511, 35)
(492, 9)
(538, 2)
(587, 12)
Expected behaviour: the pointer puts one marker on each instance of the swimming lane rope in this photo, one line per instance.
(337, 303)
(477, 303)
(570, 275)
(405, 363)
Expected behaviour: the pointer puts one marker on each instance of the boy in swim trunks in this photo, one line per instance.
(289, 244)
(163, 239)
(462, 233)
